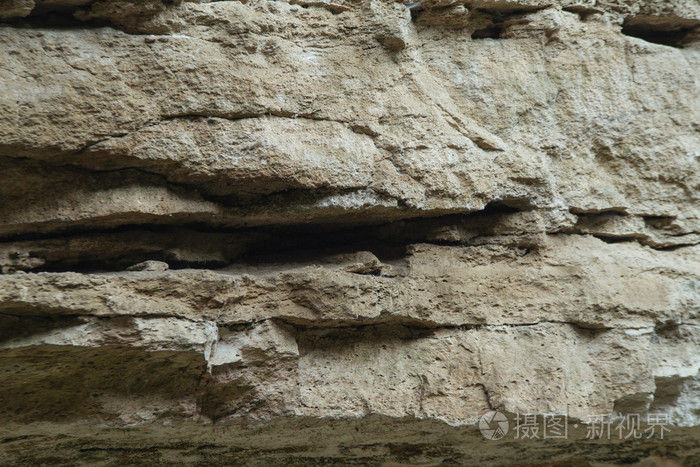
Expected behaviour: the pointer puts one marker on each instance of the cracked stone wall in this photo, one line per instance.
(358, 219)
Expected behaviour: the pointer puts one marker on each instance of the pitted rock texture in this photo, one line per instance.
(350, 214)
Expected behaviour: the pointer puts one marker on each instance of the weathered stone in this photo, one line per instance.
(233, 230)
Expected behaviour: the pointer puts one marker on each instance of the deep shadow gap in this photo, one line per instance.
(672, 32)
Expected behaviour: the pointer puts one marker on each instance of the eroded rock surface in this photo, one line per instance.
(356, 216)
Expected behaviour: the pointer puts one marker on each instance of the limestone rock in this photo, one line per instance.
(151, 265)
(342, 231)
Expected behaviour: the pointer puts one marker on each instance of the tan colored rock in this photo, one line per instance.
(150, 265)
(40, 198)
(556, 142)
(15, 8)
(264, 154)
(578, 280)
(341, 231)
(451, 374)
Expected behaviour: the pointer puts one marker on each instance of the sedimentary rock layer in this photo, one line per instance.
(347, 215)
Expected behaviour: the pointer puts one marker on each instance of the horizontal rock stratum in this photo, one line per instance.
(316, 232)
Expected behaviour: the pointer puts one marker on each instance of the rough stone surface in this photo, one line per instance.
(229, 229)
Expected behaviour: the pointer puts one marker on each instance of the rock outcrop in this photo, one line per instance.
(231, 228)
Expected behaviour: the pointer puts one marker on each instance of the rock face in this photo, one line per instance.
(347, 217)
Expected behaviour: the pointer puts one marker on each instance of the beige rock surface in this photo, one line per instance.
(358, 218)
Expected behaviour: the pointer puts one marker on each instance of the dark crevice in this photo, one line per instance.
(56, 19)
(415, 11)
(484, 19)
(503, 10)
(669, 31)
(672, 247)
(80, 15)
(346, 331)
(290, 196)
(617, 238)
(491, 32)
(667, 328)
(412, 328)
(13, 327)
(202, 246)
(498, 18)
(260, 247)
(309, 247)
(507, 206)
(622, 211)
